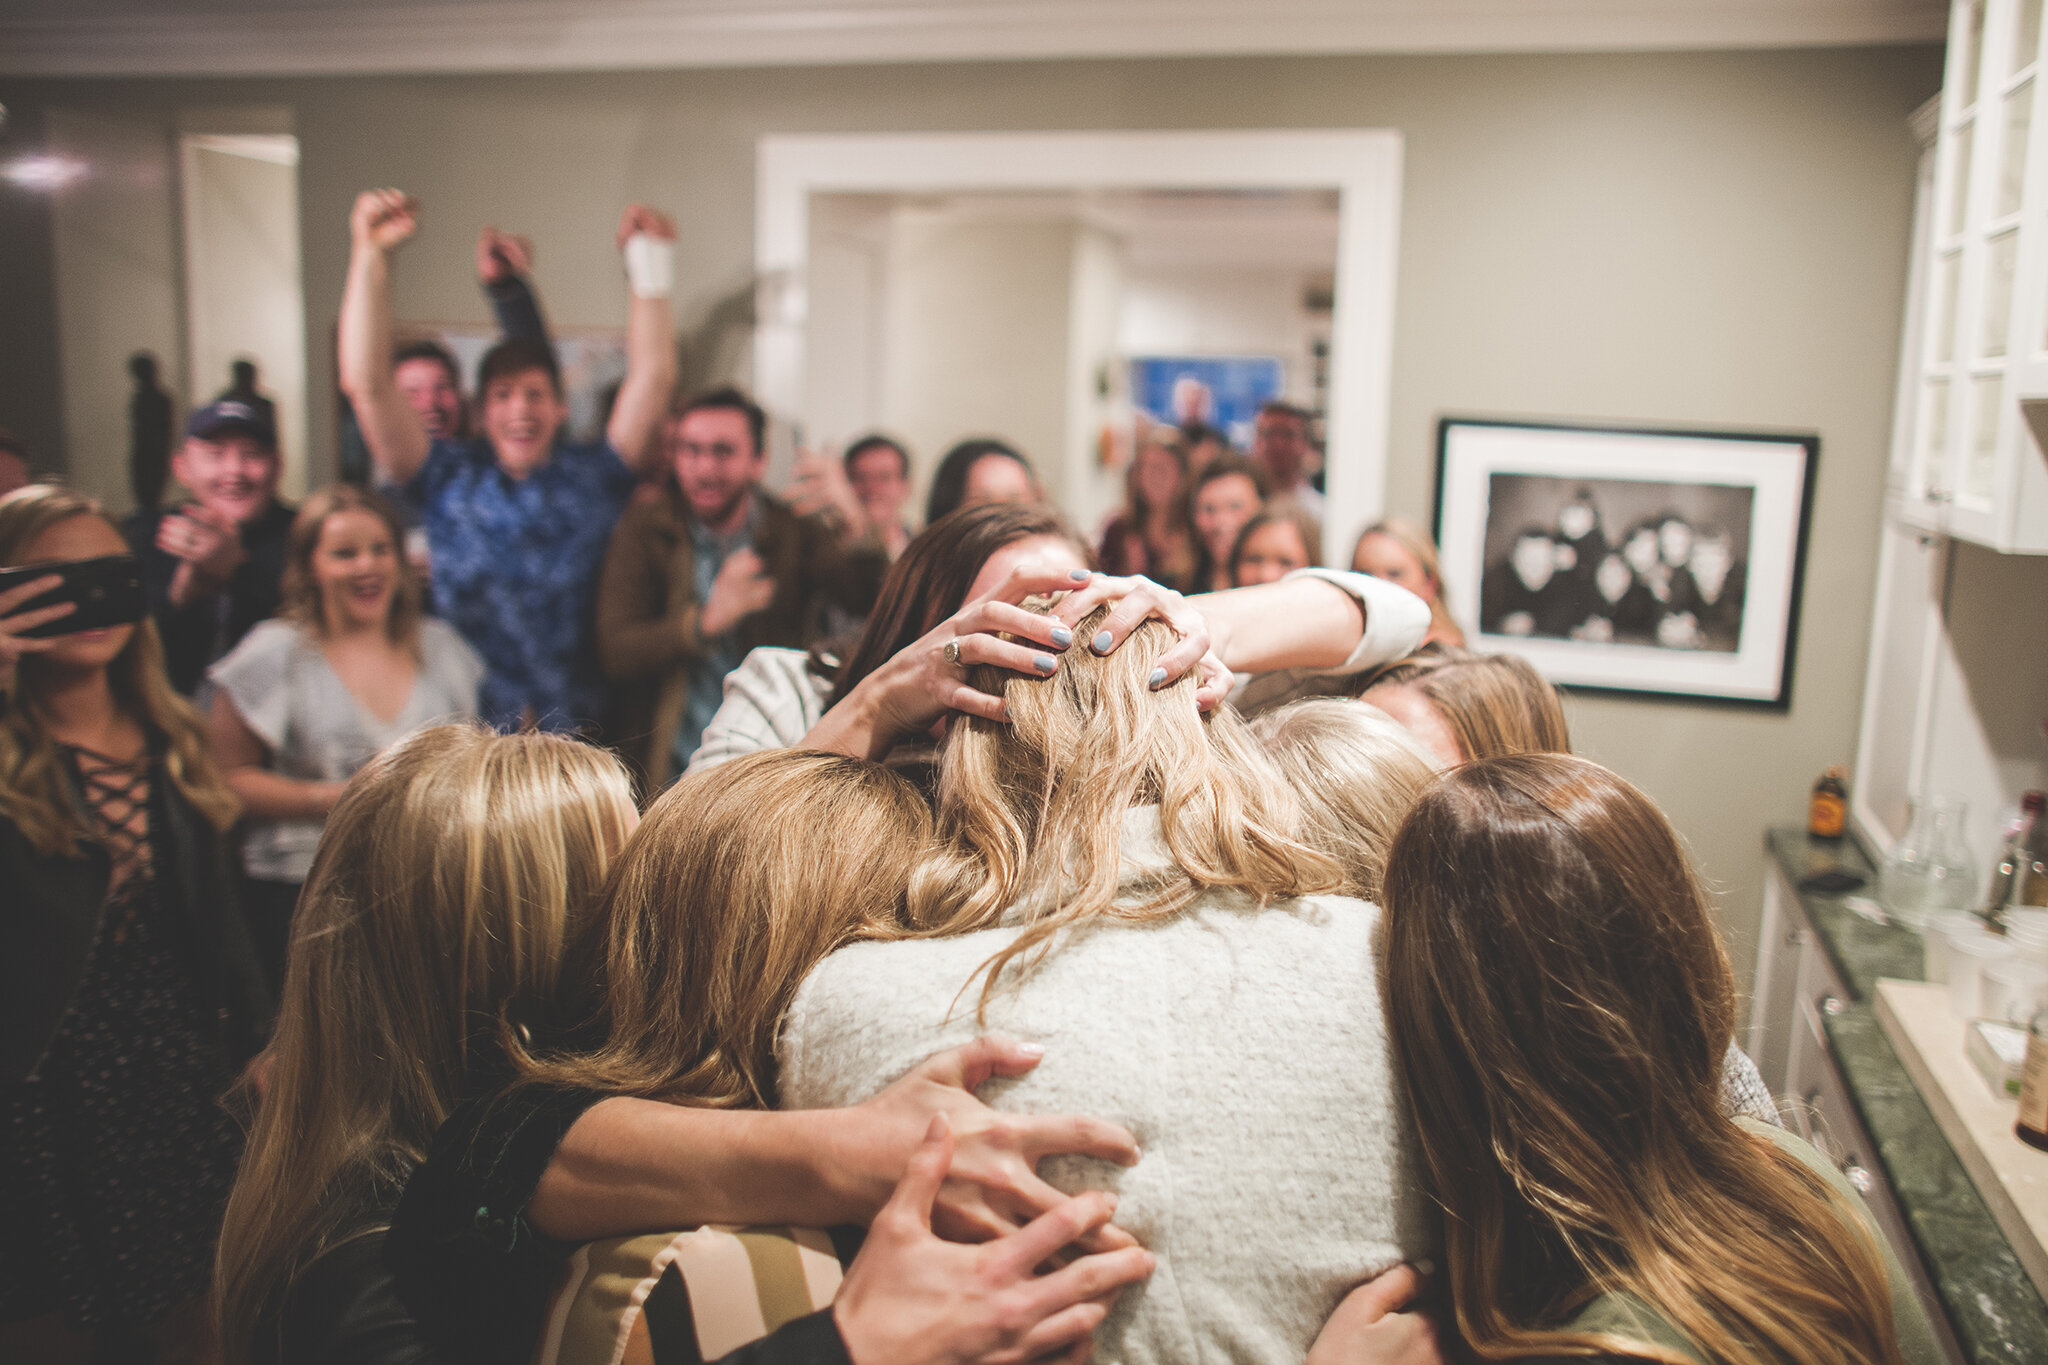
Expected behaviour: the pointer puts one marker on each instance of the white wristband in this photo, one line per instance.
(650, 266)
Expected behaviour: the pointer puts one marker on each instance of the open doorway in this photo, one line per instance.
(832, 214)
(242, 294)
(1065, 322)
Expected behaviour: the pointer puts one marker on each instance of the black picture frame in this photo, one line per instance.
(1537, 520)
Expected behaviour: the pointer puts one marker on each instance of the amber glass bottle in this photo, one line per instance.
(1827, 814)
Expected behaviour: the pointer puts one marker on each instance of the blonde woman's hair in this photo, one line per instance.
(302, 602)
(1561, 1005)
(1417, 542)
(739, 881)
(1031, 813)
(34, 791)
(1356, 771)
(432, 925)
(1494, 704)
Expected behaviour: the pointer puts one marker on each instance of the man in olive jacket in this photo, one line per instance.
(710, 567)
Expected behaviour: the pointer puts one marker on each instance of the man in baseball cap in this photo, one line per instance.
(212, 564)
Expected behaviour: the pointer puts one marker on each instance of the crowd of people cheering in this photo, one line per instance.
(565, 902)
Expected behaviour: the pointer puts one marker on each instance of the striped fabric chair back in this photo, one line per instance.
(686, 1298)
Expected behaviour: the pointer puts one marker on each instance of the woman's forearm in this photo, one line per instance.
(1295, 623)
(630, 1165)
(1314, 619)
(266, 795)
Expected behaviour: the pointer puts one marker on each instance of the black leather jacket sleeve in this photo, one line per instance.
(344, 1311)
(474, 1271)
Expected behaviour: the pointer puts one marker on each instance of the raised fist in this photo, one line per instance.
(500, 256)
(639, 218)
(383, 218)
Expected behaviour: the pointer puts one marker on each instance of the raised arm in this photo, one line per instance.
(397, 440)
(1317, 619)
(647, 240)
(504, 267)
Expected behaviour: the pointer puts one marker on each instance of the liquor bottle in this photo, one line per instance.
(2007, 877)
(1827, 813)
(2032, 1125)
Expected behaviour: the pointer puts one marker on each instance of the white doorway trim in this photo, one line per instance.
(1363, 166)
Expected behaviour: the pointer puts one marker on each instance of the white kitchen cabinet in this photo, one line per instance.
(1967, 460)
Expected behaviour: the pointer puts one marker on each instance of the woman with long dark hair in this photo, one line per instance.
(978, 471)
(129, 993)
(1151, 533)
(1561, 1005)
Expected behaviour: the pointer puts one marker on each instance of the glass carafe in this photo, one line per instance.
(1930, 869)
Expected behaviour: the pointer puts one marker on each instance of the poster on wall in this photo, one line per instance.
(1224, 391)
(1629, 559)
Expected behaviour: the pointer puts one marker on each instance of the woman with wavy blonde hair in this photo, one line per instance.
(1121, 879)
(1356, 771)
(429, 942)
(129, 993)
(714, 914)
(1561, 1004)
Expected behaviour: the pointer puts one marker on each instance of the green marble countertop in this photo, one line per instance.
(1997, 1314)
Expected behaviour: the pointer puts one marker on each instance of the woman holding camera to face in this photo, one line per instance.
(129, 993)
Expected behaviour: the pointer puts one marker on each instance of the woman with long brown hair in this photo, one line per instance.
(1151, 533)
(1561, 1005)
(129, 993)
(348, 667)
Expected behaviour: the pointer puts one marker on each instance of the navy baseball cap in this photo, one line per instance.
(230, 416)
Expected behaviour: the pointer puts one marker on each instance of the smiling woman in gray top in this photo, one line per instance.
(348, 668)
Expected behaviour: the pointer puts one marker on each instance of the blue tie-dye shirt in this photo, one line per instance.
(515, 566)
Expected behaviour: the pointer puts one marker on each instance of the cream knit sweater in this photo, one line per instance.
(1244, 1048)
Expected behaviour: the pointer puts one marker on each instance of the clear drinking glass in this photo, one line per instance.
(1929, 869)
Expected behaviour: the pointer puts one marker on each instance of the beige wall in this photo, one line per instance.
(115, 243)
(243, 288)
(1716, 238)
(975, 334)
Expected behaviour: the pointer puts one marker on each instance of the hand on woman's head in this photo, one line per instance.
(927, 680)
(1136, 600)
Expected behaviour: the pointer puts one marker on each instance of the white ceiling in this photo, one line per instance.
(246, 37)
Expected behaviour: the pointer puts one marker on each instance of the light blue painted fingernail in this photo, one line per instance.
(1078, 575)
(1103, 642)
(1045, 663)
(1062, 637)
(1158, 676)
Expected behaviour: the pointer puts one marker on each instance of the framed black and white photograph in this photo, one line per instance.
(1629, 559)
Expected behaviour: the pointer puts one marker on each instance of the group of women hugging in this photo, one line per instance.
(1072, 967)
